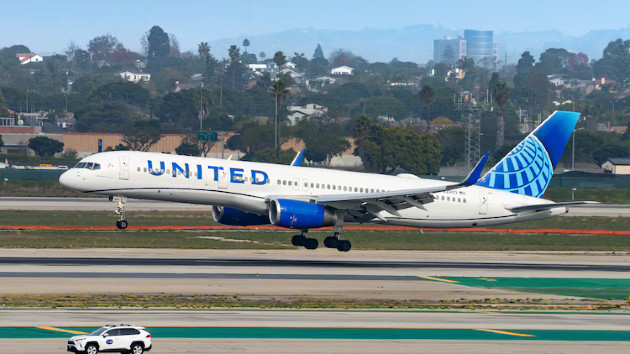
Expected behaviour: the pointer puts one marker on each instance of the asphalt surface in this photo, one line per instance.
(312, 263)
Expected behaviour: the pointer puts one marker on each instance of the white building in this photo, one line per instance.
(26, 58)
(298, 113)
(257, 67)
(135, 77)
(342, 70)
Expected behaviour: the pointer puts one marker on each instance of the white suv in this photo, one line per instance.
(112, 338)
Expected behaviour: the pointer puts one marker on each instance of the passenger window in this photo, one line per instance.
(129, 332)
(145, 169)
(284, 182)
(278, 182)
(345, 188)
(361, 190)
(356, 189)
(113, 332)
(317, 185)
(312, 185)
(138, 169)
(289, 182)
(334, 187)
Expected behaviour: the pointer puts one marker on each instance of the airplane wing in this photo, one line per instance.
(539, 207)
(366, 206)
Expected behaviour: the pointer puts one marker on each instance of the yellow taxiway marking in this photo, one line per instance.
(438, 279)
(504, 332)
(487, 279)
(61, 330)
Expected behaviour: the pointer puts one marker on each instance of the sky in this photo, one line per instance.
(48, 27)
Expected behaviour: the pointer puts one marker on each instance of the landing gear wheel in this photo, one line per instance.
(311, 244)
(343, 245)
(331, 242)
(122, 224)
(298, 240)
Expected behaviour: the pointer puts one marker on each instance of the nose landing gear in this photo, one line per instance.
(120, 210)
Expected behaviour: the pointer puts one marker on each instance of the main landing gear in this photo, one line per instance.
(120, 210)
(329, 242)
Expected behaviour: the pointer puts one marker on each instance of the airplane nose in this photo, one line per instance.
(65, 179)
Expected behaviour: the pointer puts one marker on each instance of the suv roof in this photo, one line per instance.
(121, 325)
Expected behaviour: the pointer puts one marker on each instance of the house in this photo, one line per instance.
(294, 74)
(26, 58)
(342, 70)
(135, 77)
(257, 67)
(617, 165)
(298, 113)
(186, 86)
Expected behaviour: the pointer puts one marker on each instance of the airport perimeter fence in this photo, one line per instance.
(12, 174)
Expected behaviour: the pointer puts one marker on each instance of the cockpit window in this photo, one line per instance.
(88, 165)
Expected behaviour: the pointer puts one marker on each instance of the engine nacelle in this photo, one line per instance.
(235, 217)
(296, 214)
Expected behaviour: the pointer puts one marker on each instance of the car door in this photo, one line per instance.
(127, 336)
(112, 339)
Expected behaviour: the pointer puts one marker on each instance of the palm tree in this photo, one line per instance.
(279, 91)
(427, 96)
(204, 50)
(280, 59)
(501, 95)
(235, 54)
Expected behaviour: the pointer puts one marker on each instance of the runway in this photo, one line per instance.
(294, 274)
(97, 204)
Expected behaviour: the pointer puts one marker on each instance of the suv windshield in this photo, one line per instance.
(99, 331)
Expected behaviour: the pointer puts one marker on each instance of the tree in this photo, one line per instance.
(501, 94)
(384, 149)
(246, 43)
(210, 64)
(159, 48)
(524, 65)
(234, 53)
(555, 60)
(319, 53)
(280, 59)
(142, 134)
(253, 138)
(262, 55)
(4, 111)
(615, 62)
(300, 61)
(45, 147)
(101, 47)
(191, 146)
(427, 96)
(323, 139)
(1, 141)
(279, 91)
(452, 141)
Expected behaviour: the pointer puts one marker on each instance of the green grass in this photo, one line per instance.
(367, 240)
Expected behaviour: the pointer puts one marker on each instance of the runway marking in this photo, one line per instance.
(438, 279)
(505, 332)
(487, 279)
(61, 330)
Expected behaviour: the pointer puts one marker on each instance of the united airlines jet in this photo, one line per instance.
(302, 198)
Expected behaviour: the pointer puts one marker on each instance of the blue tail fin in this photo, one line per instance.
(528, 168)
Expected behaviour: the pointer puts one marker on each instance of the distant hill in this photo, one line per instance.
(414, 43)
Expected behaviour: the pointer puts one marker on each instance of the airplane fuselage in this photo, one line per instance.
(248, 186)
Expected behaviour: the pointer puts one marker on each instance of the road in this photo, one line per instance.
(95, 204)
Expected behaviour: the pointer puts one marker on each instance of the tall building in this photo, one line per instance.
(480, 46)
(449, 51)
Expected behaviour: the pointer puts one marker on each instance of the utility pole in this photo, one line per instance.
(201, 108)
(221, 84)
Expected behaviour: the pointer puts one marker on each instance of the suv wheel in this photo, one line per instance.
(91, 349)
(136, 349)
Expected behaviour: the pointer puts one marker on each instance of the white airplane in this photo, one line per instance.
(250, 193)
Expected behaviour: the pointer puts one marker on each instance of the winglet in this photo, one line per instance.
(474, 175)
(297, 161)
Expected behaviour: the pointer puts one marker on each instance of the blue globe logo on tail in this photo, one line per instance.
(525, 170)
(528, 168)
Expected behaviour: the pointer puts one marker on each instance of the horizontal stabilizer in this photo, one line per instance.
(539, 207)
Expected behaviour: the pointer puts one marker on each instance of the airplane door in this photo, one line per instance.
(296, 184)
(124, 168)
(223, 178)
(304, 184)
(483, 203)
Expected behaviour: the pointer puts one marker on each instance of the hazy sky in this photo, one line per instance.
(48, 26)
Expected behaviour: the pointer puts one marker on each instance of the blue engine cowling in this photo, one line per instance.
(296, 214)
(235, 217)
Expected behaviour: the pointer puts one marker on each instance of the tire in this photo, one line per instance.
(311, 244)
(91, 349)
(331, 242)
(298, 240)
(344, 245)
(136, 349)
(122, 224)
